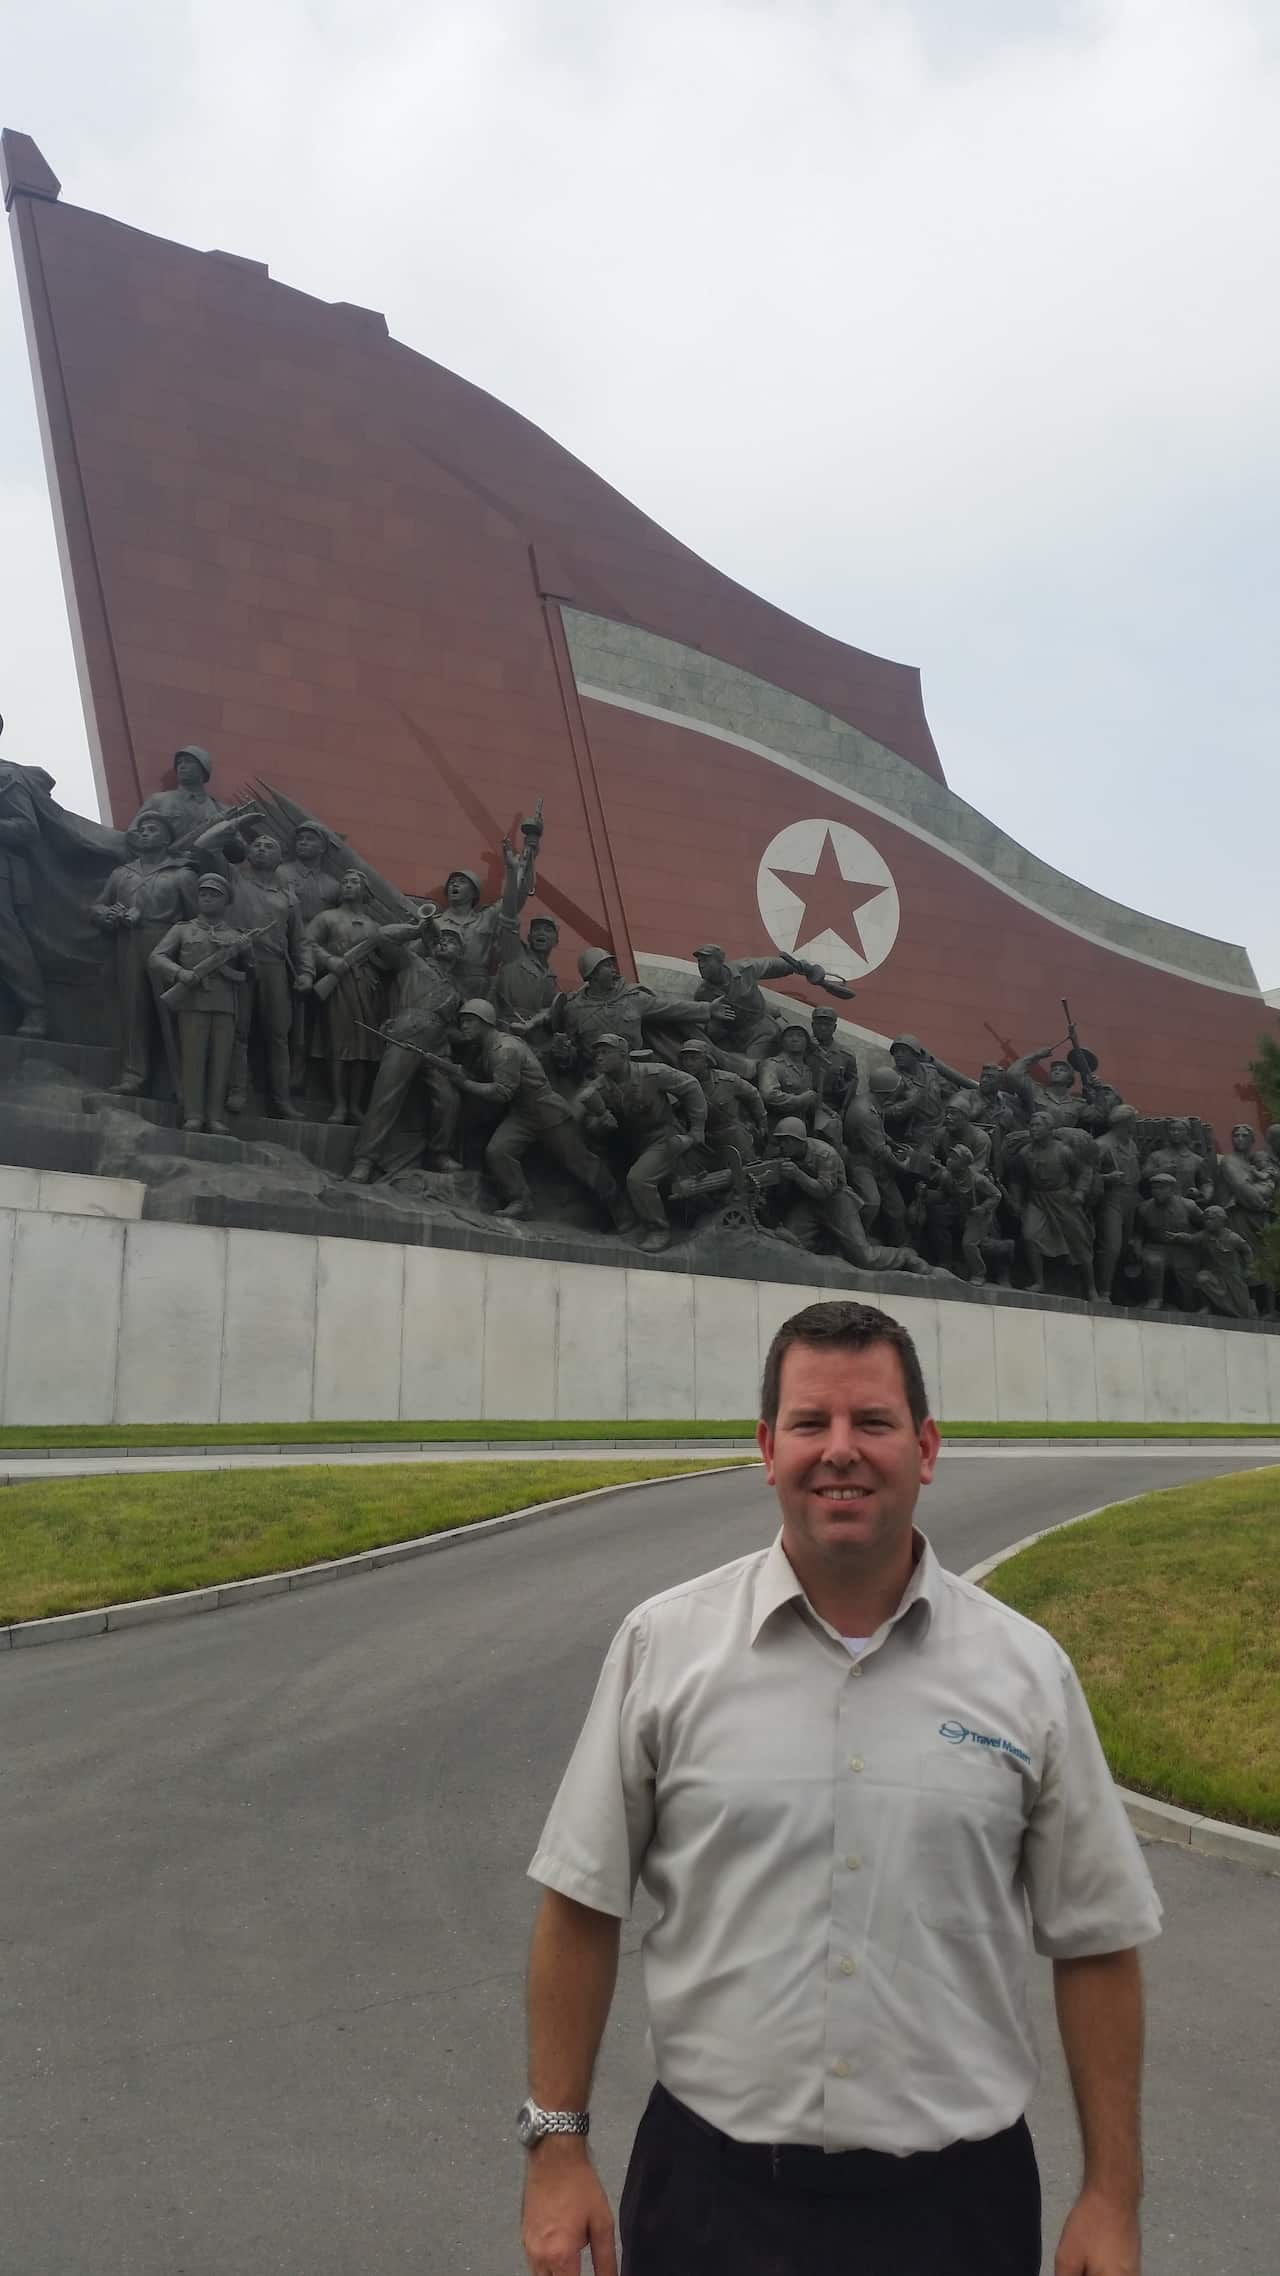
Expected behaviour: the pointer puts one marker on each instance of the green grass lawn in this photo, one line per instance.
(77, 1542)
(1170, 1608)
(16, 1436)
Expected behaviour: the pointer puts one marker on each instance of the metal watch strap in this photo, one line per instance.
(565, 2121)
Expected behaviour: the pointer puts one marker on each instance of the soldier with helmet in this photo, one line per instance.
(606, 1004)
(502, 1071)
(819, 1208)
(659, 1112)
(425, 1001)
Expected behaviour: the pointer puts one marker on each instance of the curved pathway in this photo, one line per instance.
(264, 1910)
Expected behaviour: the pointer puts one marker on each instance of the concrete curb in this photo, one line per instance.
(141, 1612)
(1159, 1821)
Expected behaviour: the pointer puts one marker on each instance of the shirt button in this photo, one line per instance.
(854, 1864)
(856, 1762)
(840, 2070)
(848, 1967)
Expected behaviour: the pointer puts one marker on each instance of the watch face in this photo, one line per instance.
(527, 2126)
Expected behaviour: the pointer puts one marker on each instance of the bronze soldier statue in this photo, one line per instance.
(504, 1072)
(283, 967)
(203, 961)
(658, 1112)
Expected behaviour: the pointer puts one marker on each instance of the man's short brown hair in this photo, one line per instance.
(843, 1327)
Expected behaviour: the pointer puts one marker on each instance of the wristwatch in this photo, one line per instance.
(533, 2124)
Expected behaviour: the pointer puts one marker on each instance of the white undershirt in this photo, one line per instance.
(855, 1644)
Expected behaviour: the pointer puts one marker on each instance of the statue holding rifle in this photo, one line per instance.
(204, 960)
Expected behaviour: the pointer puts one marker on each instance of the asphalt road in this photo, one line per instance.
(263, 1912)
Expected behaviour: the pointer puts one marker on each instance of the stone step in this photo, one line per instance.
(330, 1145)
(22, 1055)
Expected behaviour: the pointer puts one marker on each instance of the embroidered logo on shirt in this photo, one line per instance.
(957, 1733)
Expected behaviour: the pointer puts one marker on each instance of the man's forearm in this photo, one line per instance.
(573, 1966)
(1099, 2003)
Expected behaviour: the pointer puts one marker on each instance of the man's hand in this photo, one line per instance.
(1100, 2239)
(303, 984)
(566, 2211)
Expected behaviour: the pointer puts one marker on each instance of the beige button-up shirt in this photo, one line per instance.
(846, 1855)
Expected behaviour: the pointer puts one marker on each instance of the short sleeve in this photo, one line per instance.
(601, 1823)
(1086, 1880)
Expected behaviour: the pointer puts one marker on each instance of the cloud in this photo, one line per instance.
(951, 329)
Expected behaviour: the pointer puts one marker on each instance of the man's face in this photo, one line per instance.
(189, 772)
(352, 886)
(604, 976)
(459, 891)
(1215, 1219)
(989, 1081)
(1060, 1076)
(209, 901)
(711, 967)
(470, 1028)
(264, 853)
(904, 1059)
(609, 1061)
(824, 1028)
(793, 1042)
(542, 937)
(150, 833)
(844, 1457)
(448, 948)
(1179, 1132)
(1041, 1125)
(308, 846)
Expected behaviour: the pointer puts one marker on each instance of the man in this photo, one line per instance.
(1119, 1176)
(190, 809)
(736, 1122)
(503, 1072)
(207, 946)
(914, 1114)
(606, 1004)
(425, 1001)
(659, 1112)
(283, 967)
(748, 1027)
(139, 902)
(315, 891)
(1054, 1176)
(1059, 1094)
(850, 1780)
(525, 984)
(871, 1161)
(1168, 1228)
(961, 1201)
(818, 1209)
(1192, 1174)
(480, 923)
(788, 1082)
(835, 1069)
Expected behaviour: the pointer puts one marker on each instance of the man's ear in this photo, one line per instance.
(930, 1448)
(764, 1440)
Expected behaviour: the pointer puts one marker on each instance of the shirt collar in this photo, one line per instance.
(777, 1583)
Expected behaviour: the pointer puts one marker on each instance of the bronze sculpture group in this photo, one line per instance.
(255, 934)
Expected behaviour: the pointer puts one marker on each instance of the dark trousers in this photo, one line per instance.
(697, 2204)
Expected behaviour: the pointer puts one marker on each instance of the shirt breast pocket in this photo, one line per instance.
(968, 1824)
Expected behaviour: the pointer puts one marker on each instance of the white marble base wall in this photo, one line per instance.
(109, 1318)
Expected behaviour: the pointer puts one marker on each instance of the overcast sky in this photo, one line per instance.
(951, 325)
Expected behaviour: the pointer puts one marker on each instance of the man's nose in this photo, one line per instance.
(841, 1446)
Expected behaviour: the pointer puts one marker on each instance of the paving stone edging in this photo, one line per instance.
(141, 1612)
(1159, 1821)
